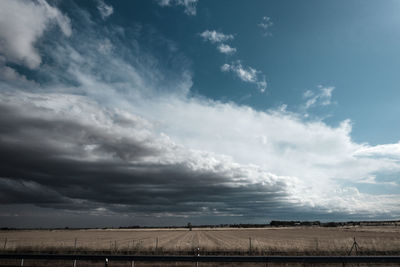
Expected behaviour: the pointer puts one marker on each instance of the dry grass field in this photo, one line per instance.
(372, 240)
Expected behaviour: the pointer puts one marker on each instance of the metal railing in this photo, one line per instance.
(265, 259)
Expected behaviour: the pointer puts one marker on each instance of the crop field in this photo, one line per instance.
(371, 240)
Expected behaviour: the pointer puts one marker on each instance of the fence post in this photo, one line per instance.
(132, 263)
(5, 243)
(156, 243)
(198, 254)
(106, 262)
(355, 246)
(75, 251)
(250, 245)
(22, 262)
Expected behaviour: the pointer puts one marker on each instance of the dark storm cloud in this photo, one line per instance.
(111, 160)
(15, 191)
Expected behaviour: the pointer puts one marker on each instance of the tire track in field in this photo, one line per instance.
(170, 242)
(218, 242)
(179, 241)
(195, 239)
(236, 242)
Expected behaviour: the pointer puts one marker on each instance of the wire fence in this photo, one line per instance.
(195, 259)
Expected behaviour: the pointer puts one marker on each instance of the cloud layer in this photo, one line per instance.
(98, 159)
(115, 130)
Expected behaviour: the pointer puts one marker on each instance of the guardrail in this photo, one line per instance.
(265, 259)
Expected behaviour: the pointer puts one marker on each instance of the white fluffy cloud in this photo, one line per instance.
(246, 74)
(387, 150)
(18, 34)
(216, 37)
(226, 49)
(322, 98)
(323, 158)
(189, 5)
(104, 9)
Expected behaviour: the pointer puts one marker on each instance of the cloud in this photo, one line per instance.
(113, 129)
(104, 9)
(265, 24)
(387, 150)
(118, 161)
(189, 5)
(226, 49)
(246, 74)
(9, 74)
(216, 37)
(164, 2)
(92, 158)
(322, 98)
(18, 34)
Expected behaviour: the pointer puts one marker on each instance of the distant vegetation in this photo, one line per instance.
(240, 225)
(333, 224)
(280, 224)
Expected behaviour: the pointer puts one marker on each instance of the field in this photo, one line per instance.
(383, 240)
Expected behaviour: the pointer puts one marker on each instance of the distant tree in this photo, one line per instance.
(331, 224)
(189, 225)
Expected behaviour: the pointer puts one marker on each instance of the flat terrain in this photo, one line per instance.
(260, 241)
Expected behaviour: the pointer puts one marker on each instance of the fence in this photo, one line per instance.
(196, 259)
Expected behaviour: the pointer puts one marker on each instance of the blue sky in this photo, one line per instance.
(349, 45)
(167, 111)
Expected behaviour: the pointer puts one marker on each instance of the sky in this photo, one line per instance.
(164, 112)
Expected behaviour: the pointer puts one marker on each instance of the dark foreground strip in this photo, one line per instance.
(306, 259)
